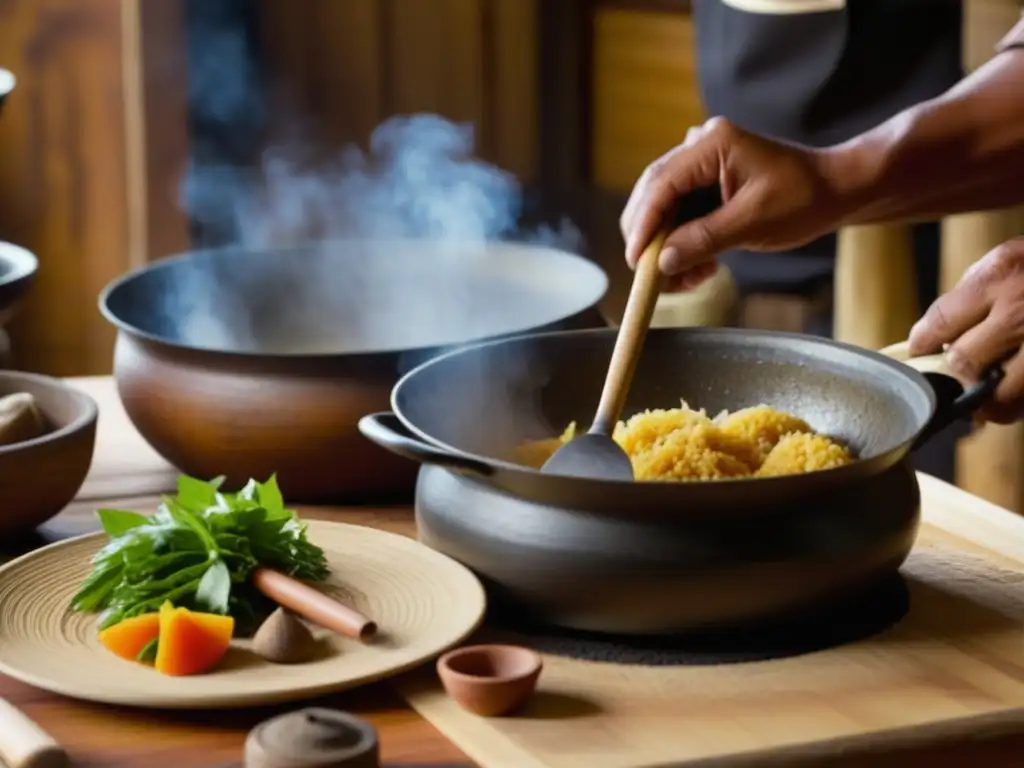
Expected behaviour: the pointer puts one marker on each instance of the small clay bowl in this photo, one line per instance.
(40, 477)
(490, 680)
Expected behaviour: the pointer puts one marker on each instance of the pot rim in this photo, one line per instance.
(7, 82)
(504, 466)
(22, 263)
(597, 274)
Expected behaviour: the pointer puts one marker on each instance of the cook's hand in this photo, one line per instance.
(982, 321)
(775, 196)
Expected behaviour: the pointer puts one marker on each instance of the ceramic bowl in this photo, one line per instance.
(490, 680)
(40, 477)
(18, 269)
(7, 82)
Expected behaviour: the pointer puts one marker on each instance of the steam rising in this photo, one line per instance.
(406, 244)
(403, 246)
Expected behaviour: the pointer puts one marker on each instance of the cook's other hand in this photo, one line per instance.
(774, 196)
(982, 321)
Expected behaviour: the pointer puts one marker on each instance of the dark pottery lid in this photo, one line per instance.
(313, 738)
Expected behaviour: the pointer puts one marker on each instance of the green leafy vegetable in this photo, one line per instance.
(198, 551)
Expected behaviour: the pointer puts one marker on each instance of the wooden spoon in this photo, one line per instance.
(595, 454)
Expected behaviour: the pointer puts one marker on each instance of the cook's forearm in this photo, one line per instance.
(962, 151)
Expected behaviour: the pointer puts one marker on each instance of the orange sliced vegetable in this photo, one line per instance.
(127, 638)
(191, 643)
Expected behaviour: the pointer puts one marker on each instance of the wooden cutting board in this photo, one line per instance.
(953, 668)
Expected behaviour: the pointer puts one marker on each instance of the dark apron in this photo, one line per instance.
(821, 78)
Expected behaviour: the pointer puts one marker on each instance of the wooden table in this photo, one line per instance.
(127, 474)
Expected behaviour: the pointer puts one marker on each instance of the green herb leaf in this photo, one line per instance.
(195, 494)
(147, 655)
(198, 550)
(214, 588)
(269, 496)
(116, 522)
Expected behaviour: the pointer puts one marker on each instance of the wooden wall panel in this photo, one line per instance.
(347, 66)
(436, 61)
(73, 183)
(644, 90)
(513, 128)
(326, 60)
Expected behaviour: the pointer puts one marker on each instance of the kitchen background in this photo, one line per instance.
(143, 128)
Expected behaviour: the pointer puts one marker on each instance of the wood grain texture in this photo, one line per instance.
(949, 672)
(436, 59)
(77, 173)
(343, 68)
(644, 89)
(513, 120)
(325, 59)
(875, 285)
(115, 737)
(102, 736)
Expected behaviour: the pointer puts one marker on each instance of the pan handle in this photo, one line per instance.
(387, 431)
(954, 402)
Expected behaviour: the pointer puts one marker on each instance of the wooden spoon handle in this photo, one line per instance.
(643, 296)
(23, 744)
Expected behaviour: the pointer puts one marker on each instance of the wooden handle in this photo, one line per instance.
(643, 296)
(312, 604)
(23, 744)
(924, 364)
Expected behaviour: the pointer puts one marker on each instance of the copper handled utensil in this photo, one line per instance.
(310, 603)
(23, 744)
(595, 454)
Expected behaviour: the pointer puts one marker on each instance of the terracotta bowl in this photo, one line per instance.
(247, 363)
(40, 477)
(490, 680)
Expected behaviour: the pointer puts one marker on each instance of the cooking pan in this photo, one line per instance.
(655, 556)
(244, 362)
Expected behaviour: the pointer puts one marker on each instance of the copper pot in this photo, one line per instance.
(246, 363)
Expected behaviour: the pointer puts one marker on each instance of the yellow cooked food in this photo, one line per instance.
(681, 444)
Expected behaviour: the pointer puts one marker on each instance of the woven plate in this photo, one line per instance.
(423, 603)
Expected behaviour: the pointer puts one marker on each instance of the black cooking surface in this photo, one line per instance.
(847, 621)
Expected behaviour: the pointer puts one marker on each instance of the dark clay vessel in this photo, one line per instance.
(657, 557)
(40, 477)
(246, 363)
(635, 573)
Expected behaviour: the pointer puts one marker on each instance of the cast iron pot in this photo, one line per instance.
(245, 363)
(654, 557)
